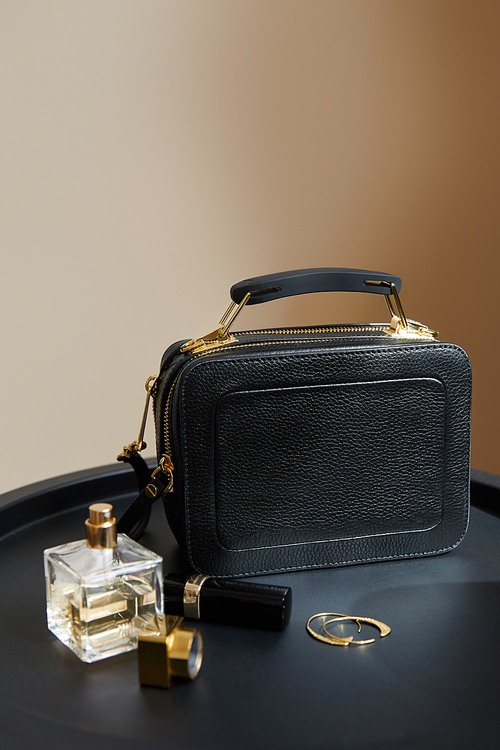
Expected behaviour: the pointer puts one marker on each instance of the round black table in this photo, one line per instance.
(433, 683)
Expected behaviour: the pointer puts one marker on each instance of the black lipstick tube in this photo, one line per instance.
(245, 603)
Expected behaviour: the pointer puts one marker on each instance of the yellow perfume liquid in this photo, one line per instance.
(99, 598)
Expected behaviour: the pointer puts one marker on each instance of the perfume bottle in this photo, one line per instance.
(102, 590)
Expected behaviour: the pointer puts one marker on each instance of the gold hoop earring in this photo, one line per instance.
(337, 617)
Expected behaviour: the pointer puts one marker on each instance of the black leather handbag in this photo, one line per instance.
(302, 448)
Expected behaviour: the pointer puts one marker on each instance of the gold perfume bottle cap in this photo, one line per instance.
(101, 526)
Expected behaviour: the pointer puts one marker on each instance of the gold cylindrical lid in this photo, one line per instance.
(101, 526)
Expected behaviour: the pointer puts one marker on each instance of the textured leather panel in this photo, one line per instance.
(206, 382)
(319, 462)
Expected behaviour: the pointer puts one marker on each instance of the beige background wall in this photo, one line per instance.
(156, 151)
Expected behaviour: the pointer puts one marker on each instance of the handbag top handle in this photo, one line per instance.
(309, 280)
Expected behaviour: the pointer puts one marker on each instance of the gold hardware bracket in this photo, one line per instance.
(400, 325)
(136, 446)
(165, 467)
(219, 335)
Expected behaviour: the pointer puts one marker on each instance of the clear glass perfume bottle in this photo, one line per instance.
(102, 590)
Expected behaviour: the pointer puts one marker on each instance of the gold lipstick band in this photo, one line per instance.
(191, 599)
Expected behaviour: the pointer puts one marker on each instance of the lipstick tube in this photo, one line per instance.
(244, 603)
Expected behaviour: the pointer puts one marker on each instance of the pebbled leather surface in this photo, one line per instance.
(323, 455)
(319, 462)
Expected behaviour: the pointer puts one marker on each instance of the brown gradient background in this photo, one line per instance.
(156, 151)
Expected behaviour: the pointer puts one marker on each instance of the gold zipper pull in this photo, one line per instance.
(412, 329)
(138, 445)
(211, 337)
(401, 325)
(220, 334)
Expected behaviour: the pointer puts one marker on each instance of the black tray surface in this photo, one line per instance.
(432, 683)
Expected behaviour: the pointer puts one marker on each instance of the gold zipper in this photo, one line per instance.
(166, 426)
(412, 329)
(259, 343)
(325, 329)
